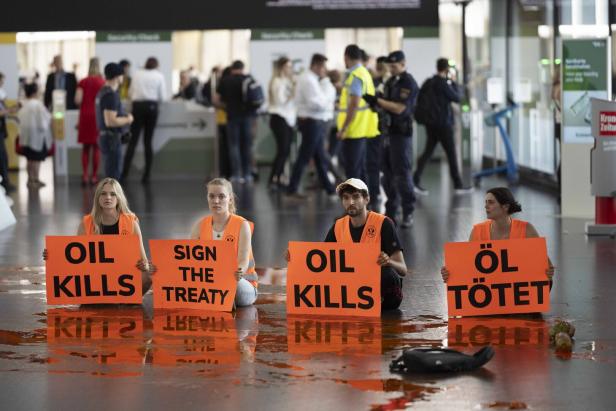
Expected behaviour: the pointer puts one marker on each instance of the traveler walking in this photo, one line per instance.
(283, 116)
(147, 91)
(112, 120)
(232, 94)
(312, 109)
(87, 133)
(434, 111)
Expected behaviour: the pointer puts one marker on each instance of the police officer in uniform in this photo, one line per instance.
(398, 103)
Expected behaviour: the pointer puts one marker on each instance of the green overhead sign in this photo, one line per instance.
(132, 36)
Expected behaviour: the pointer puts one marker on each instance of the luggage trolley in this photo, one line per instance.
(510, 168)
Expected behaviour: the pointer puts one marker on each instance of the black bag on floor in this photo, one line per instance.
(439, 360)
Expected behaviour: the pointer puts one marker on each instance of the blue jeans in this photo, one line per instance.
(397, 178)
(111, 147)
(373, 168)
(239, 138)
(311, 147)
(354, 153)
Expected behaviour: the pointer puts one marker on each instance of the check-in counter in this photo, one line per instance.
(184, 142)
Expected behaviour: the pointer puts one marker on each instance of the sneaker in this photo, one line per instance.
(463, 190)
(420, 190)
(407, 221)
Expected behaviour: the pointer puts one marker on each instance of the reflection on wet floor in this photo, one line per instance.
(406, 392)
(260, 346)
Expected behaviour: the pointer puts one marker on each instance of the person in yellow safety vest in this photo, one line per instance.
(110, 215)
(356, 122)
(362, 226)
(223, 223)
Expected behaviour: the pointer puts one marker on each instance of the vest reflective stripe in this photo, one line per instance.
(126, 224)
(366, 122)
(232, 234)
(370, 234)
(481, 231)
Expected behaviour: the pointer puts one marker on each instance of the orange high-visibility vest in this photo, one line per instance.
(126, 224)
(232, 235)
(481, 231)
(370, 234)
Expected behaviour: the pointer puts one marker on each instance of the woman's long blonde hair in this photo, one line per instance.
(95, 67)
(277, 73)
(226, 184)
(121, 206)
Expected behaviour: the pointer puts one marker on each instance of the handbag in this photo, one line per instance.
(18, 147)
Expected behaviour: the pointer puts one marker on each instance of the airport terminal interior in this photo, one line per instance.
(314, 121)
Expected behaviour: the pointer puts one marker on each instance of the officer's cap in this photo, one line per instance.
(396, 57)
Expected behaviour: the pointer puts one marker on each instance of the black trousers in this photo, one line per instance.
(224, 162)
(145, 115)
(4, 162)
(444, 135)
(283, 134)
(391, 289)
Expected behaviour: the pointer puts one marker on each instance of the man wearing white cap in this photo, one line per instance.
(362, 226)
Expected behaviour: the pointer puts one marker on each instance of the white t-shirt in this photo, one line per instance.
(329, 92)
(282, 102)
(34, 125)
(148, 85)
(310, 98)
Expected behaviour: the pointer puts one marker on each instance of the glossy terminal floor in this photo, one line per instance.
(132, 358)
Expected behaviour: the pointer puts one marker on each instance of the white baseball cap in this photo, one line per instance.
(353, 182)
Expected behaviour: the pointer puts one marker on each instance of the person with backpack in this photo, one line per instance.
(397, 103)
(435, 113)
(241, 96)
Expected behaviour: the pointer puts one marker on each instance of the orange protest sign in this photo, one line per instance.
(500, 330)
(195, 337)
(93, 269)
(313, 335)
(194, 274)
(497, 277)
(334, 279)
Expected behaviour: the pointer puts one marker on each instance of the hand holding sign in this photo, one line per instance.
(497, 277)
(93, 269)
(334, 279)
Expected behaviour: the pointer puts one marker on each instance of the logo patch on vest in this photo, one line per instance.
(124, 232)
(371, 231)
(229, 238)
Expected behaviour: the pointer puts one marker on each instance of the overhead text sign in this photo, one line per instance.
(334, 279)
(497, 277)
(93, 269)
(194, 274)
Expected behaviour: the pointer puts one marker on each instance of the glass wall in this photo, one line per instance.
(511, 59)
